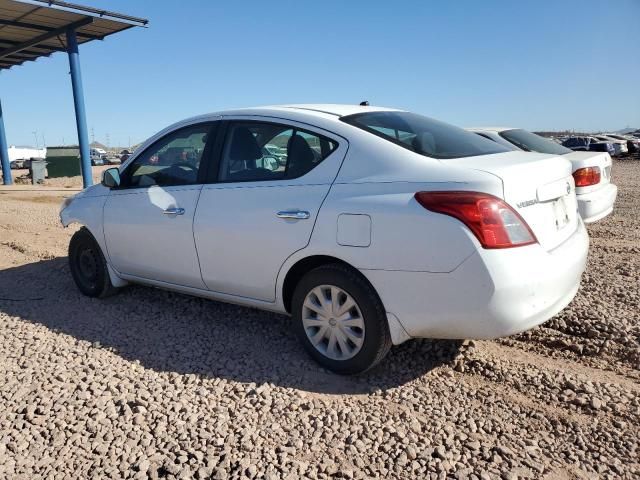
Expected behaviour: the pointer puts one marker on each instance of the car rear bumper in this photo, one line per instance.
(493, 293)
(596, 205)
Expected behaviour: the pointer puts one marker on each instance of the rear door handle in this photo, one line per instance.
(174, 211)
(293, 214)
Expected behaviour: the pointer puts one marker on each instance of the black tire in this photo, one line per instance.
(88, 266)
(377, 339)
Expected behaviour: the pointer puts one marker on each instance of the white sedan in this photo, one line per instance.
(380, 225)
(591, 170)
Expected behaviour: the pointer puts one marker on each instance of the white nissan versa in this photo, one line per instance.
(591, 170)
(375, 226)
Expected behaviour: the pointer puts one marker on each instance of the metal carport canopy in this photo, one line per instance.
(30, 29)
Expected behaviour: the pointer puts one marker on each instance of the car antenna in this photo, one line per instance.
(364, 103)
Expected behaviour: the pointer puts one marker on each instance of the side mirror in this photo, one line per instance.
(111, 178)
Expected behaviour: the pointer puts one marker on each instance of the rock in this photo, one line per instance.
(144, 465)
(411, 453)
(474, 445)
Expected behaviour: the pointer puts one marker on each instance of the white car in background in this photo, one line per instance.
(382, 225)
(619, 145)
(591, 170)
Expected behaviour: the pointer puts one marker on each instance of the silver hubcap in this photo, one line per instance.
(333, 322)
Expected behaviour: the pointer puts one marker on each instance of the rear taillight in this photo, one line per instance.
(494, 223)
(587, 176)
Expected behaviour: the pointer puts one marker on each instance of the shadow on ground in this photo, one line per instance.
(169, 332)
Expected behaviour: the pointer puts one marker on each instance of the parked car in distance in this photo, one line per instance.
(589, 144)
(16, 164)
(591, 171)
(633, 143)
(97, 156)
(382, 225)
(620, 146)
(276, 152)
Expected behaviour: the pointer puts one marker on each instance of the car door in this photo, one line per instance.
(148, 219)
(261, 207)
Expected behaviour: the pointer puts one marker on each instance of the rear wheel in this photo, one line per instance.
(88, 266)
(340, 319)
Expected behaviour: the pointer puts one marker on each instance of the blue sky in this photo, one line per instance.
(542, 64)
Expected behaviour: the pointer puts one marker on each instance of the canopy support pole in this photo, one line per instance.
(4, 152)
(78, 101)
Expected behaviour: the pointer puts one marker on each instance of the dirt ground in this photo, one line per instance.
(151, 384)
(20, 176)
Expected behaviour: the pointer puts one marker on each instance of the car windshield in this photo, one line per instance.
(424, 135)
(532, 142)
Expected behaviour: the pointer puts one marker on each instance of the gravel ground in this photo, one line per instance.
(151, 384)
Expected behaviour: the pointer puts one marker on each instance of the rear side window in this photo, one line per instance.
(532, 142)
(424, 135)
(258, 151)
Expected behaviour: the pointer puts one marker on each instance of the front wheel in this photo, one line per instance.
(88, 265)
(340, 319)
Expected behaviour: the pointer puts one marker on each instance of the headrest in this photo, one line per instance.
(244, 145)
(299, 152)
(424, 142)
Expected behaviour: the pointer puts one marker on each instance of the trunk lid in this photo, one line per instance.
(538, 186)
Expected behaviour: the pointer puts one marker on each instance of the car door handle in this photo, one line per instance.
(293, 214)
(174, 211)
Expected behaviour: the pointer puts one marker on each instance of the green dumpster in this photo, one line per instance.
(63, 161)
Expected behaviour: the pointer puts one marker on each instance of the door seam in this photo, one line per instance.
(193, 235)
(315, 221)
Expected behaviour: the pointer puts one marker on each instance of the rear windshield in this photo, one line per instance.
(424, 135)
(533, 143)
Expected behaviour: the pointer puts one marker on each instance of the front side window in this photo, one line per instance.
(173, 160)
(533, 143)
(424, 135)
(257, 151)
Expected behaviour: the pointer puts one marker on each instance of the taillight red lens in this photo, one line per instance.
(587, 176)
(494, 223)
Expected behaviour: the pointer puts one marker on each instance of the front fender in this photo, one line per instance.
(87, 210)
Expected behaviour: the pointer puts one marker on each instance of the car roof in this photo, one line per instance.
(339, 110)
(317, 109)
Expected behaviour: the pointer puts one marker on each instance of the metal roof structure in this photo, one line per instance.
(30, 29)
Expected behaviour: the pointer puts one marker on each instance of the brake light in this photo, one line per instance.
(494, 223)
(587, 176)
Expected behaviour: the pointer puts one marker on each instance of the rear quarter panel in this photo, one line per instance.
(380, 179)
